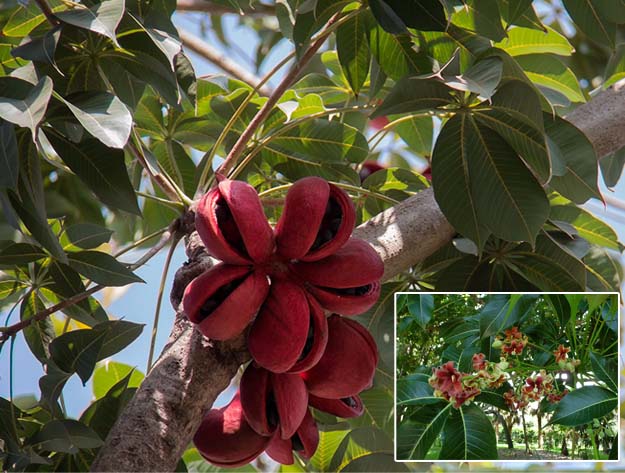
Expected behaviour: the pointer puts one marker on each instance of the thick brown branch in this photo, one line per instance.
(213, 55)
(602, 119)
(159, 422)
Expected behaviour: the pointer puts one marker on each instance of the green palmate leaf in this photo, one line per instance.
(468, 435)
(503, 311)
(481, 78)
(38, 334)
(101, 18)
(495, 397)
(40, 49)
(79, 350)
(421, 308)
(606, 370)
(387, 17)
(416, 434)
(22, 103)
(591, 21)
(109, 373)
(549, 267)
(67, 435)
(310, 20)
(26, 18)
(583, 405)
(423, 15)
(587, 226)
(102, 169)
(561, 305)
(9, 157)
(34, 221)
(396, 54)
(549, 72)
(353, 51)
(67, 283)
(20, 253)
(521, 41)
(177, 163)
(498, 193)
(321, 141)
(378, 402)
(88, 235)
(103, 115)
(415, 390)
(102, 268)
(612, 167)
(450, 175)
(417, 133)
(102, 414)
(330, 437)
(146, 62)
(605, 272)
(326, 88)
(481, 17)
(413, 94)
(579, 182)
(521, 13)
(361, 444)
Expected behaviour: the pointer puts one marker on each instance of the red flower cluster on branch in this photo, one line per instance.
(278, 282)
(513, 343)
(448, 383)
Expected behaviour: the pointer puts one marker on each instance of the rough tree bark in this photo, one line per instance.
(158, 424)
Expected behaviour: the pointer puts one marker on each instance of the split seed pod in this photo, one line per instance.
(290, 332)
(225, 439)
(273, 402)
(318, 218)
(225, 299)
(304, 442)
(232, 224)
(346, 407)
(348, 281)
(348, 364)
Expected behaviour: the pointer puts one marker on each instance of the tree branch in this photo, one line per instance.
(267, 107)
(159, 422)
(213, 55)
(209, 7)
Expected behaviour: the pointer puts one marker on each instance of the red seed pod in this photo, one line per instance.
(225, 299)
(318, 218)
(232, 224)
(273, 401)
(348, 364)
(346, 407)
(304, 442)
(225, 439)
(290, 332)
(346, 281)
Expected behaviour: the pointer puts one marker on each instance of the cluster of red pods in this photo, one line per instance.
(276, 285)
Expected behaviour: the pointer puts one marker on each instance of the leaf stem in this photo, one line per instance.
(161, 291)
(10, 331)
(287, 127)
(286, 82)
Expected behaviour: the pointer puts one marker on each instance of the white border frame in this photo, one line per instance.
(619, 361)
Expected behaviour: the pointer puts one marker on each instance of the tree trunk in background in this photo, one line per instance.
(527, 445)
(564, 450)
(539, 419)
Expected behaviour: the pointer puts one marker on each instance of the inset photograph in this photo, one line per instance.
(506, 377)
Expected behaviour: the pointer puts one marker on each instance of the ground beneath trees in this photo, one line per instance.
(519, 454)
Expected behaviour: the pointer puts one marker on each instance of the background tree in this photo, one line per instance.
(109, 137)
